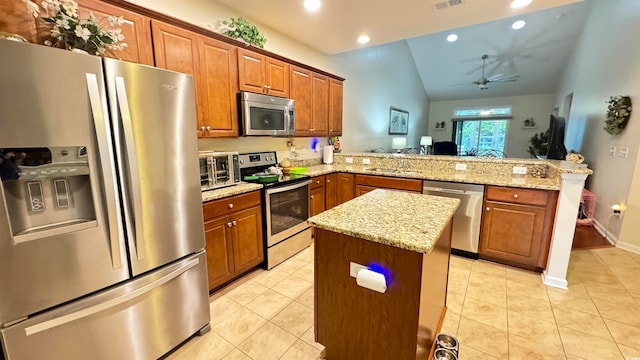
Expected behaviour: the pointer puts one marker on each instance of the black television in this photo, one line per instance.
(557, 150)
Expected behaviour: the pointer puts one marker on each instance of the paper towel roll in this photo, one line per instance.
(371, 280)
(327, 154)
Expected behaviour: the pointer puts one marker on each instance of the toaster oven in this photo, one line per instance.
(218, 169)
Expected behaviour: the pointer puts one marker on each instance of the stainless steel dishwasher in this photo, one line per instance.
(466, 220)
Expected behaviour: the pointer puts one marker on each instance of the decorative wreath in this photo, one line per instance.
(618, 114)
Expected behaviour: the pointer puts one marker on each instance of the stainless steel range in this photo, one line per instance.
(285, 208)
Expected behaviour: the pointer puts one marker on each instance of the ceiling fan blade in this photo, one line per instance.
(511, 79)
(495, 77)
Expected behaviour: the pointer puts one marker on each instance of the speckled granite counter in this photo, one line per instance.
(401, 219)
(229, 191)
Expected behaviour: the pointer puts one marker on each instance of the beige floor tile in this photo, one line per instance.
(631, 282)
(573, 357)
(483, 337)
(246, 292)
(517, 288)
(587, 346)
(629, 353)
(567, 300)
(271, 277)
(454, 302)
(624, 334)
(467, 352)
(619, 308)
(292, 287)
(460, 262)
(307, 298)
(457, 284)
(605, 290)
(580, 321)
(535, 330)
(306, 255)
(295, 318)
(636, 297)
(268, 343)
(488, 279)
(222, 307)
(292, 265)
(301, 351)
(306, 273)
(485, 313)
(524, 276)
(604, 279)
(450, 323)
(268, 304)
(241, 325)
(487, 267)
(236, 355)
(531, 307)
(460, 273)
(210, 346)
(523, 349)
(577, 290)
(309, 337)
(492, 295)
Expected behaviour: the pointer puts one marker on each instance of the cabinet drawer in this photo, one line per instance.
(517, 195)
(230, 204)
(389, 182)
(317, 182)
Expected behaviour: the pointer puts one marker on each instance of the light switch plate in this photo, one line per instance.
(366, 161)
(520, 170)
(348, 160)
(461, 167)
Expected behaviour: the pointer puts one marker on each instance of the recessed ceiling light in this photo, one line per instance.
(518, 24)
(516, 4)
(363, 39)
(452, 37)
(312, 5)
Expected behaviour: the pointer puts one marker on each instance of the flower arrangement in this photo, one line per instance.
(243, 30)
(618, 114)
(68, 31)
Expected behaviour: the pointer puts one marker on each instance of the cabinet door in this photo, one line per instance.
(513, 232)
(251, 69)
(277, 77)
(363, 189)
(335, 107)
(219, 86)
(219, 246)
(320, 105)
(136, 30)
(176, 49)
(317, 196)
(247, 240)
(331, 191)
(301, 93)
(345, 187)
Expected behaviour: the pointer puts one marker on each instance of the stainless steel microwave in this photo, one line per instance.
(266, 115)
(218, 169)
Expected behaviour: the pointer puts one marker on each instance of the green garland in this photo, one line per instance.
(618, 114)
(243, 30)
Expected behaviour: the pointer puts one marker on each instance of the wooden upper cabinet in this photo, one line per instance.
(335, 107)
(301, 93)
(320, 104)
(218, 88)
(136, 30)
(261, 74)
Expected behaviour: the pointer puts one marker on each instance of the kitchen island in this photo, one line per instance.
(406, 238)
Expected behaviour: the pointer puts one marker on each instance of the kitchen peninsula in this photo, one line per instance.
(404, 236)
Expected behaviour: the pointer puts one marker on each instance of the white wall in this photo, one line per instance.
(538, 107)
(606, 63)
(376, 78)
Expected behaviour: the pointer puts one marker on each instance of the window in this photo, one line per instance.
(481, 131)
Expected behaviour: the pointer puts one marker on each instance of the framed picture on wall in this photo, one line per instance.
(398, 122)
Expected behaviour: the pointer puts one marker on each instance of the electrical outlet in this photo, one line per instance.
(520, 170)
(623, 151)
(461, 167)
(612, 150)
(348, 160)
(366, 161)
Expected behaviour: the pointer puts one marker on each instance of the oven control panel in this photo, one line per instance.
(254, 160)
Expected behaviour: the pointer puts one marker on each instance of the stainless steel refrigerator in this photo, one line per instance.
(101, 232)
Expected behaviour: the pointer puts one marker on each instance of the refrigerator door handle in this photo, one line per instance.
(131, 198)
(106, 157)
(91, 310)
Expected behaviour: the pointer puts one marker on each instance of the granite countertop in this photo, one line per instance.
(405, 220)
(238, 189)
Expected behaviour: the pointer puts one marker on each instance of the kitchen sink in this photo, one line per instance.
(391, 171)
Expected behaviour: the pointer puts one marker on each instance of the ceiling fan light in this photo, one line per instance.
(452, 38)
(517, 4)
(517, 25)
(312, 5)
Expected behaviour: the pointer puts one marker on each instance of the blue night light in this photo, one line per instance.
(381, 270)
(314, 144)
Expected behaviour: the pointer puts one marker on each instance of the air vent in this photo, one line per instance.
(441, 5)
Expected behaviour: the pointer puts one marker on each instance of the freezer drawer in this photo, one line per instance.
(141, 319)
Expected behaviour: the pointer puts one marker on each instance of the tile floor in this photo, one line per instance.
(495, 311)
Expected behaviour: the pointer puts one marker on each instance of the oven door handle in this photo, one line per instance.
(280, 189)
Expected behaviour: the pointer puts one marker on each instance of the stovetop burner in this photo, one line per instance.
(254, 167)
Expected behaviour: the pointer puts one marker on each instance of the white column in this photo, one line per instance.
(563, 230)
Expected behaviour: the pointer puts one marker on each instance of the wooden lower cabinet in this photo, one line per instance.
(517, 226)
(339, 189)
(317, 195)
(234, 239)
(366, 183)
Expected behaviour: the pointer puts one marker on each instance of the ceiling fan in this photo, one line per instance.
(483, 82)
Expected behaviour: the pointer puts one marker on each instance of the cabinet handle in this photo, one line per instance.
(202, 128)
(488, 208)
(208, 128)
(515, 196)
(229, 224)
(328, 181)
(230, 206)
(317, 181)
(234, 223)
(312, 196)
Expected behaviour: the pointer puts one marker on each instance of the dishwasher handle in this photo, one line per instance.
(451, 191)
